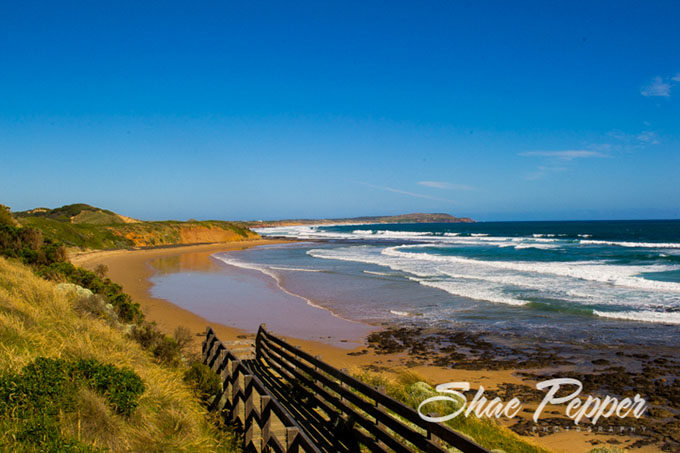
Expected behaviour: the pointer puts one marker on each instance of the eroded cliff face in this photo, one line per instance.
(183, 234)
(198, 234)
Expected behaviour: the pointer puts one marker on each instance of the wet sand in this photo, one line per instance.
(135, 271)
(246, 298)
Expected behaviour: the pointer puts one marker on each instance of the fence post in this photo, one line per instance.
(265, 412)
(291, 439)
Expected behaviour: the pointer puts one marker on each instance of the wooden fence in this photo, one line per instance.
(322, 407)
(265, 424)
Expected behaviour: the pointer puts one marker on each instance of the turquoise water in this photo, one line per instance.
(590, 281)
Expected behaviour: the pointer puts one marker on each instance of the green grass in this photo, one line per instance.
(76, 213)
(33, 401)
(81, 235)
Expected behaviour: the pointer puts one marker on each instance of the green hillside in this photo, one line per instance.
(75, 213)
(87, 227)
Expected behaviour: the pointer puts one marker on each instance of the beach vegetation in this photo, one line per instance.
(165, 349)
(33, 401)
(101, 270)
(63, 271)
(6, 217)
(96, 306)
(81, 384)
(203, 380)
(183, 337)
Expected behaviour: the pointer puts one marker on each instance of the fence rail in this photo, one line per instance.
(322, 407)
(266, 425)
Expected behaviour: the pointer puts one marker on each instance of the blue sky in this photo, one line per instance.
(262, 110)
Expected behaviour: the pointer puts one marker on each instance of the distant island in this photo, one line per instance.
(417, 217)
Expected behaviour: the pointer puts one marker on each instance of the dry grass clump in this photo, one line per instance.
(37, 320)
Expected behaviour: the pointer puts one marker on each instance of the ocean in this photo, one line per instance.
(599, 281)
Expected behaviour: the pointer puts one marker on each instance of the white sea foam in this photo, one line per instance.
(243, 265)
(382, 274)
(399, 313)
(294, 269)
(402, 234)
(586, 283)
(644, 316)
(536, 246)
(474, 240)
(478, 292)
(650, 245)
(419, 273)
(517, 283)
(266, 271)
(302, 232)
(315, 232)
(598, 271)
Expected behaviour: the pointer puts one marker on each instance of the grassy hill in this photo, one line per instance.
(53, 412)
(77, 213)
(88, 227)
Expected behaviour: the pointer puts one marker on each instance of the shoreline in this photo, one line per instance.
(359, 334)
(132, 269)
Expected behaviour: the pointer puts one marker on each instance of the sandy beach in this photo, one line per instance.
(134, 269)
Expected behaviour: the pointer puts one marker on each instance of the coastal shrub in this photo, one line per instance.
(97, 306)
(167, 351)
(32, 238)
(101, 270)
(6, 216)
(146, 335)
(126, 308)
(163, 348)
(204, 381)
(182, 335)
(28, 246)
(41, 388)
(33, 400)
(121, 386)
